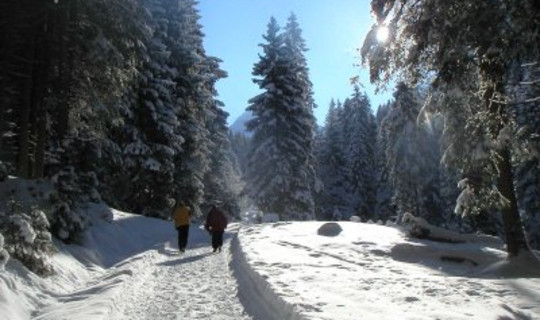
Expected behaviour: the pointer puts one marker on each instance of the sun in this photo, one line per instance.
(382, 33)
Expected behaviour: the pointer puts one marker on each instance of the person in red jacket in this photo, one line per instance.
(216, 223)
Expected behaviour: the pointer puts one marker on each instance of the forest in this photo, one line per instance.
(115, 102)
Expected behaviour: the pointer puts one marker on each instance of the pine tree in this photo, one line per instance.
(384, 208)
(152, 146)
(332, 164)
(193, 97)
(412, 157)
(27, 238)
(222, 181)
(359, 130)
(281, 173)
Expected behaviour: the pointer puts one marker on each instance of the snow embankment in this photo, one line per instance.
(255, 293)
(89, 279)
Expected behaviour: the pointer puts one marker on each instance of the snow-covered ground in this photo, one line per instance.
(376, 272)
(128, 268)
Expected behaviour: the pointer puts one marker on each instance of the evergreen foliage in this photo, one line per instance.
(412, 155)
(26, 238)
(240, 148)
(4, 255)
(332, 165)
(112, 99)
(281, 167)
(347, 160)
(428, 36)
(384, 208)
(359, 134)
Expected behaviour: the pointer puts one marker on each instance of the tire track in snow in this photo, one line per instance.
(195, 285)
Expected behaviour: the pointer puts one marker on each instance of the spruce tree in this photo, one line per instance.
(194, 95)
(412, 157)
(281, 173)
(332, 164)
(152, 147)
(384, 209)
(359, 131)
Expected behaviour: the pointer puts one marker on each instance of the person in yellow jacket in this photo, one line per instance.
(181, 218)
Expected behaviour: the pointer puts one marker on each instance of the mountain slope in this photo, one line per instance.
(238, 125)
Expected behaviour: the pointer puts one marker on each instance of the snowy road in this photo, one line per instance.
(195, 285)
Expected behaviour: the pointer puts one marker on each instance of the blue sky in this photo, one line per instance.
(333, 30)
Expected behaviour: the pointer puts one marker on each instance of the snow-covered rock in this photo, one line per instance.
(329, 229)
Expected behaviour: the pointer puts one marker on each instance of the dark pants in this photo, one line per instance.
(183, 232)
(217, 239)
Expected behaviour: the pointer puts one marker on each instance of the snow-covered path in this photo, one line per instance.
(195, 285)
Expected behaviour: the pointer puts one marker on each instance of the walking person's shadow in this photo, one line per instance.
(184, 259)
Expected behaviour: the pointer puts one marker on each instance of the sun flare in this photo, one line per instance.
(382, 33)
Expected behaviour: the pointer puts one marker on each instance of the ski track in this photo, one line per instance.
(197, 284)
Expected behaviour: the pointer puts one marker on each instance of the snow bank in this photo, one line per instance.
(255, 293)
(90, 278)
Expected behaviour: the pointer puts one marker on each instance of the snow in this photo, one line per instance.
(128, 268)
(377, 272)
(26, 230)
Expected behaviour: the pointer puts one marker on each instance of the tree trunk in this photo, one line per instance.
(513, 229)
(63, 21)
(39, 102)
(23, 147)
(39, 154)
(515, 235)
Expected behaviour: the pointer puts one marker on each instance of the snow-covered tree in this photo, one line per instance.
(281, 174)
(26, 238)
(194, 96)
(384, 209)
(222, 182)
(332, 165)
(359, 134)
(151, 143)
(470, 48)
(4, 255)
(412, 155)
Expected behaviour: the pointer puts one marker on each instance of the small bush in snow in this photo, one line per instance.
(4, 255)
(68, 222)
(390, 223)
(27, 238)
(355, 219)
